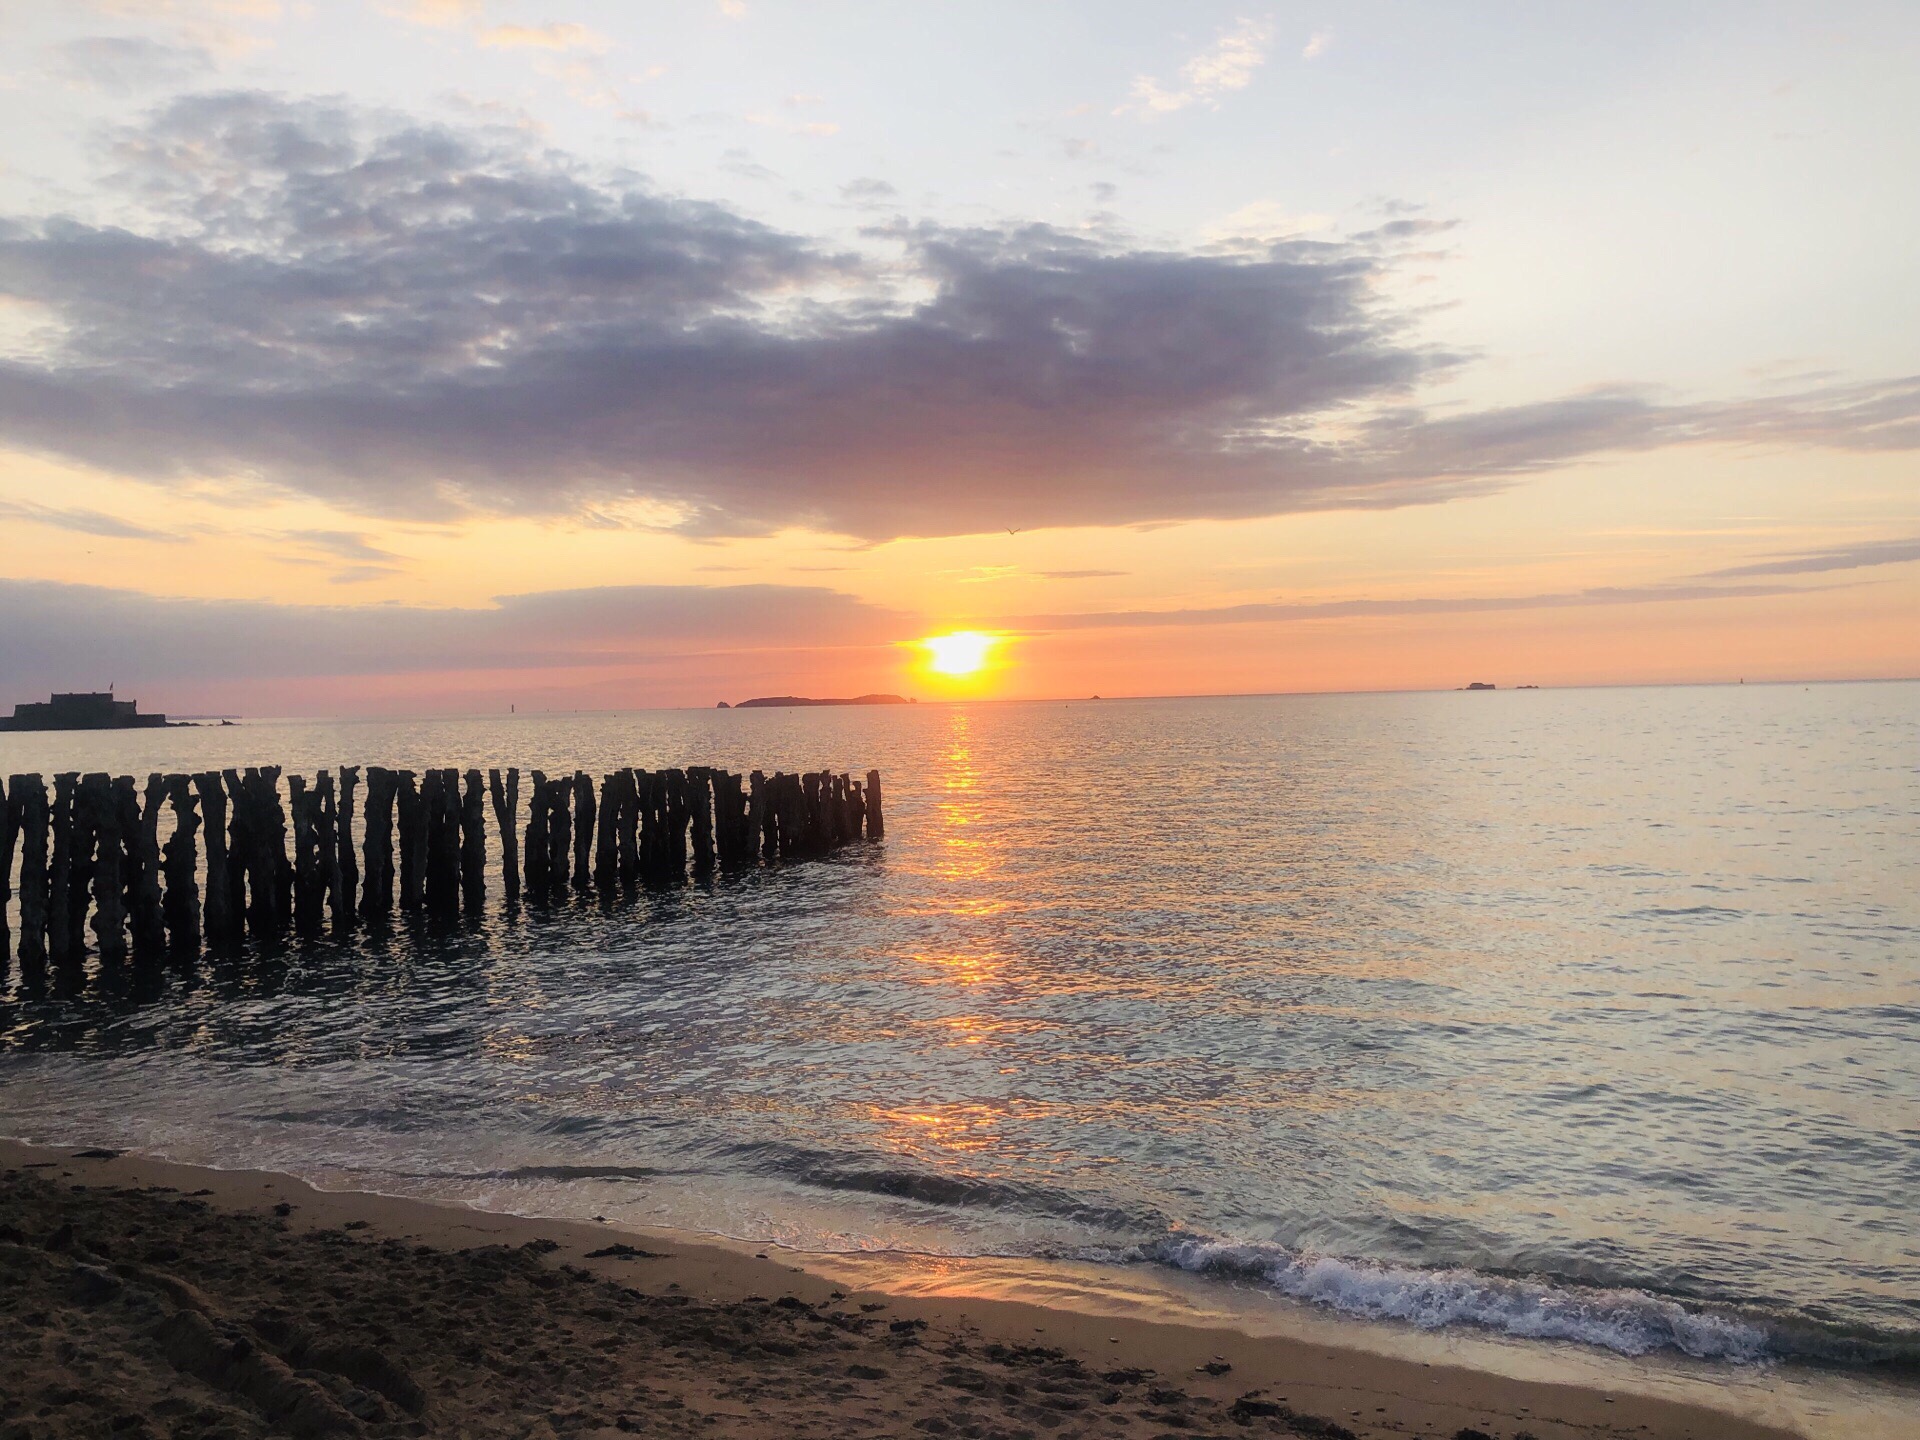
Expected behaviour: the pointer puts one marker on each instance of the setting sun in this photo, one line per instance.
(962, 653)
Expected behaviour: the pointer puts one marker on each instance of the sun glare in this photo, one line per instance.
(962, 653)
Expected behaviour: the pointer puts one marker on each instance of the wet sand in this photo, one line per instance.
(142, 1298)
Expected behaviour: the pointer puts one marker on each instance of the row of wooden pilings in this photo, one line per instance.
(94, 844)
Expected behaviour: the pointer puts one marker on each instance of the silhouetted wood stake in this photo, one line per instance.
(346, 901)
(876, 822)
(140, 821)
(413, 840)
(583, 817)
(700, 799)
(9, 837)
(761, 831)
(473, 844)
(559, 833)
(506, 806)
(440, 800)
(326, 844)
(27, 796)
(102, 809)
(60, 938)
(376, 846)
(239, 847)
(218, 913)
(539, 857)
(627, 847)
(304, 806)
(606, 851)
(272, 837)
(180, 864)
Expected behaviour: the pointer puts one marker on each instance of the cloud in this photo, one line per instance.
(1079, 574)
(865, 190)
(732, 9)
(126, 62)
(416, 320)
(1268, 612)
(436, 13)
(55, 632)
(1815, 562)
(1317, 45)
(565, 36)
(1228, 64)
(82, 522)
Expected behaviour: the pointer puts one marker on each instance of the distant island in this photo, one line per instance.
(1482, 685)
(788, 702)
(82, 711)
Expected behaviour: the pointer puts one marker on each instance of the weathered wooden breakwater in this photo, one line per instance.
(90, 857)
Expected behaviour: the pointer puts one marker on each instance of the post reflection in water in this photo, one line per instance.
(1375, 1001)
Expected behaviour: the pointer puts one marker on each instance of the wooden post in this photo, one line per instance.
(559, 832)
(102, 805)
(326, 841)
(346, 903)
(442, 881)
(181, 864)
(646, 826)
(761, 828)
(583, 817)
(60, 937)
(539, 857)
(9, 837)
(674, 799)
(876, 823)
(606, 855)
(856, 808)
(218, 913)
(272, 833)
(627, 841)
(304, 807)
(700, 798)
(506, 804)
(413, 840)
(28, 795)
(141, 822)
(376, 846)
(473, 844)
(239, 847)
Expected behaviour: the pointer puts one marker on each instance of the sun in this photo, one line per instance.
(964, 652)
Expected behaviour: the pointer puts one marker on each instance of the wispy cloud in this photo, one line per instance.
(1317, 45)
(1079, 574)
(81, 522)
(1814, 562)
(124, 62)
(1227, 65)
(559, 36)
(1268, 612)
(435, 12)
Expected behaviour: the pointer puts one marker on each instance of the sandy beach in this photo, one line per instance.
(142, 1298)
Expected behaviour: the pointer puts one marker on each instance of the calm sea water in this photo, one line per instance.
(1581, 1014)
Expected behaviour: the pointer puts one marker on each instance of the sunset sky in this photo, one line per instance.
(440, 355)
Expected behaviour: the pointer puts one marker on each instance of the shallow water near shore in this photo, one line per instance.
(1554, 1016)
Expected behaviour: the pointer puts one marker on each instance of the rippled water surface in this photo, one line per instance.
(1586, 1014)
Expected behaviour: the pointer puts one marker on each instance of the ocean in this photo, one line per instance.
(1588, 1016)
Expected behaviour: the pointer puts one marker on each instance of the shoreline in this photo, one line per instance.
(1402, 1384)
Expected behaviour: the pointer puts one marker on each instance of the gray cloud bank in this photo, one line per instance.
(412, 319)
(58, 635)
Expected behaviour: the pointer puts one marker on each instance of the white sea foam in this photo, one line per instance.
(1631, 1322)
